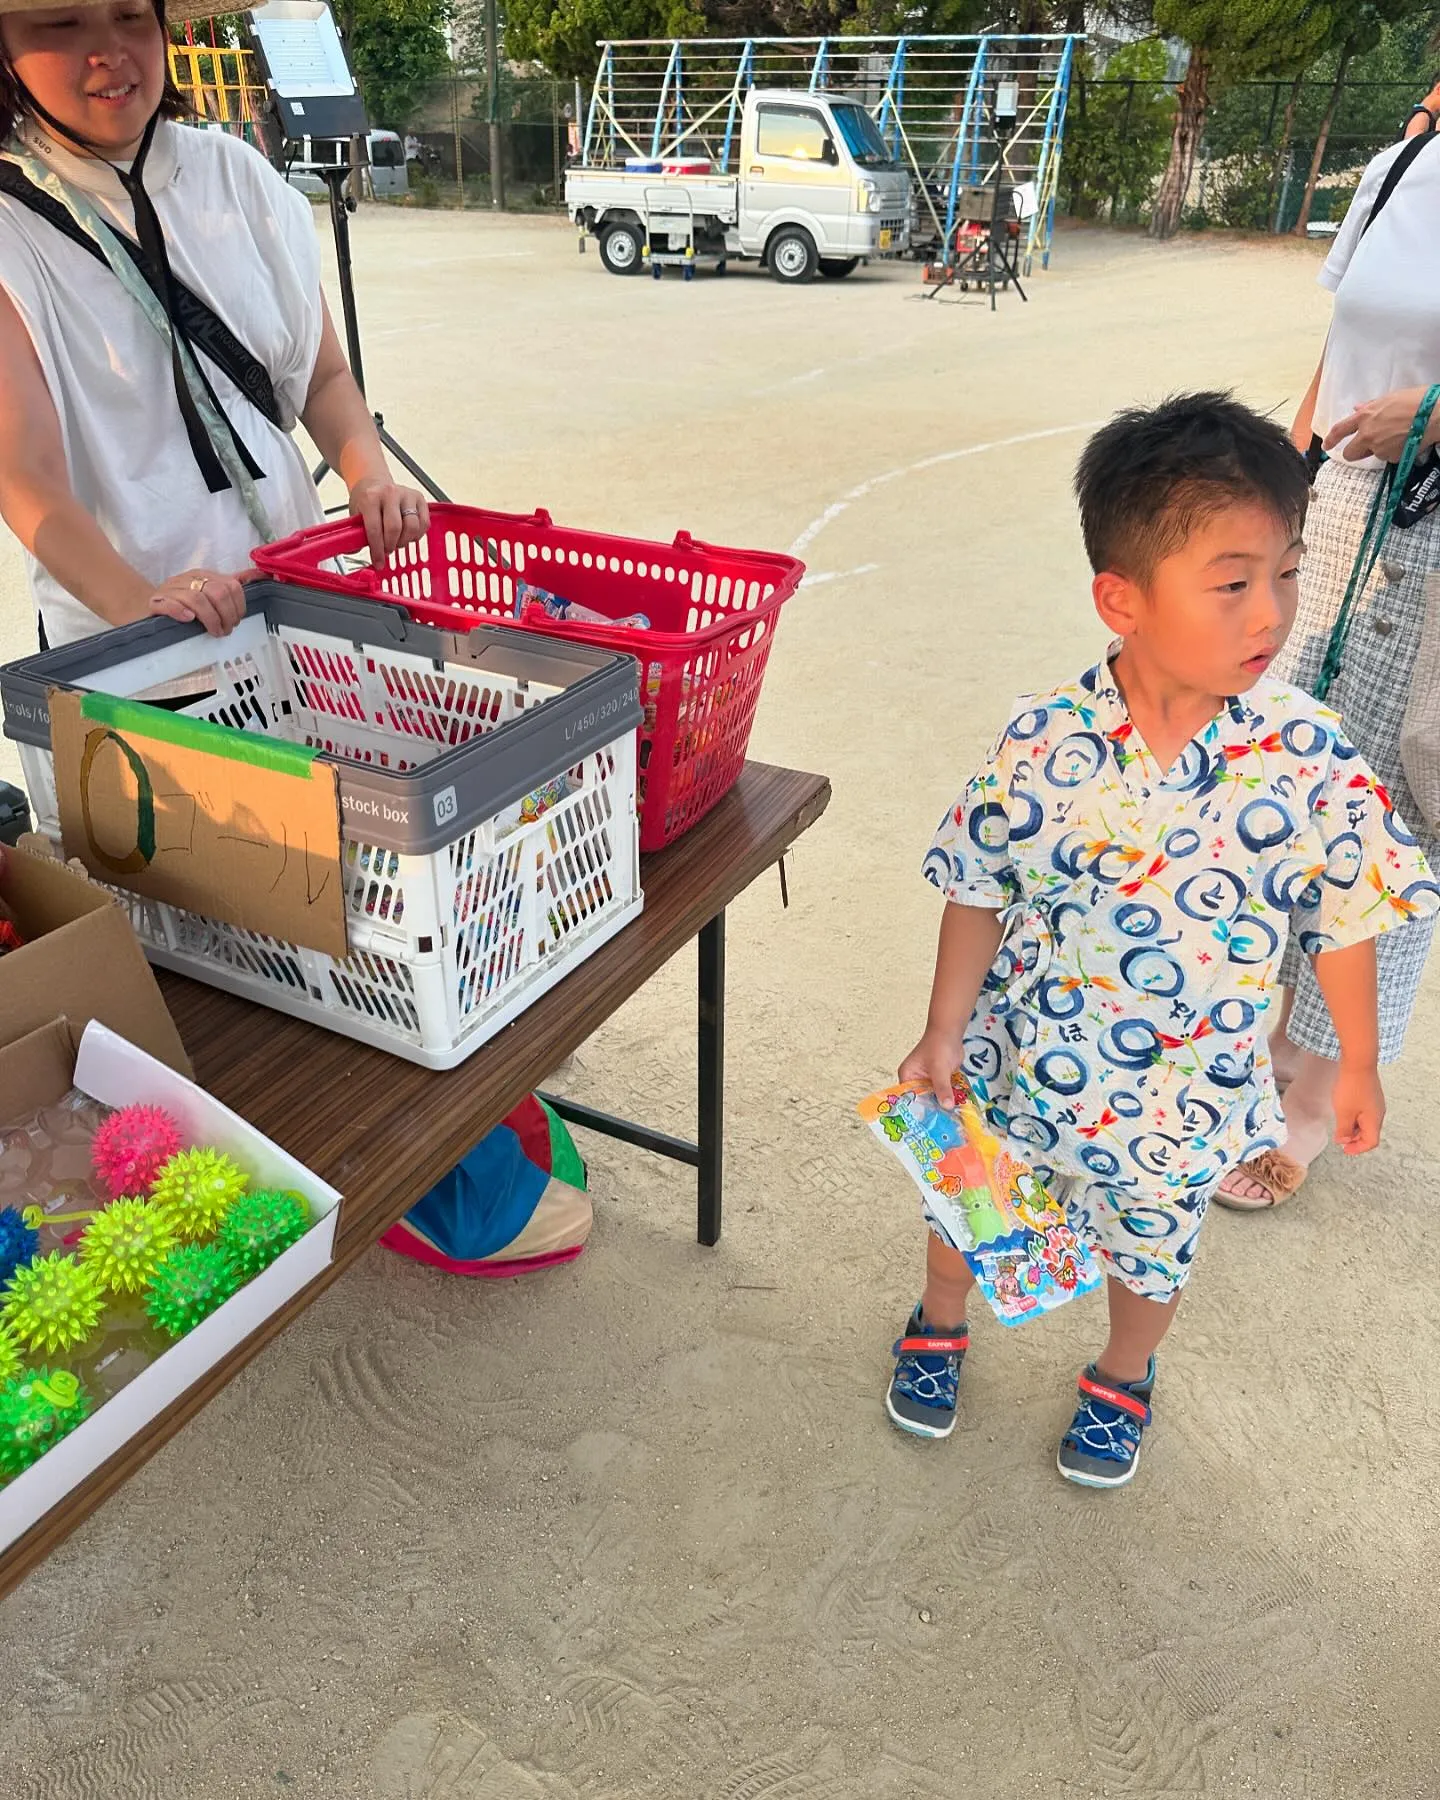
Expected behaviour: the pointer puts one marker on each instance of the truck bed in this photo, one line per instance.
(625, 190)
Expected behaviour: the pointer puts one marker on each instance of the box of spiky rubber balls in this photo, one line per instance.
(145, 1231)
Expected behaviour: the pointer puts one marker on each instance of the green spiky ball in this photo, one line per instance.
(53, 1303)
(189, 1284)
(197, 1188)
(260, 1225)
(10, 1357)
(124, 1244)
(37, 1409)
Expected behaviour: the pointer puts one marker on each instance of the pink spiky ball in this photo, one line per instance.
(132, 1147)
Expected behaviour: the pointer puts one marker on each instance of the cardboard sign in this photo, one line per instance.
(81, 958)
(225, 823)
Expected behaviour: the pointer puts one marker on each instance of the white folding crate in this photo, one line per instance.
(470, 889)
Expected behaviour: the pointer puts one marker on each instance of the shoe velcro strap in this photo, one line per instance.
(1116, 1397)
(932, 1346)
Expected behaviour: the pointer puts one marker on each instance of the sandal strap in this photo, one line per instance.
(932, 1346)
(1117, 1397)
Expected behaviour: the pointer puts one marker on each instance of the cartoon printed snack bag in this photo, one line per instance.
(983, 1201)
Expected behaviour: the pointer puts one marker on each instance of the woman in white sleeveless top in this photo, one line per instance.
(137, 473)
(1382, 354)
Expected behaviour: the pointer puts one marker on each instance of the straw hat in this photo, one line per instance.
(177, 12)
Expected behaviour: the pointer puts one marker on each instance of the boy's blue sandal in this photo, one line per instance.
(1102, 1447)
(927, 1373)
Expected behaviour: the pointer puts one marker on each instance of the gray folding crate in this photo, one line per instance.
(487, 788)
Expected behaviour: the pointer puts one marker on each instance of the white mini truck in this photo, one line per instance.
(816, 191)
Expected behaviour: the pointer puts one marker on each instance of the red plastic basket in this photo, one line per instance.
(712, 614)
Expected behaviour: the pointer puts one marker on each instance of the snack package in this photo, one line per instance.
(984, 1202)
(554, 607)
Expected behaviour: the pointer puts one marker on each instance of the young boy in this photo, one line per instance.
(1121, 876)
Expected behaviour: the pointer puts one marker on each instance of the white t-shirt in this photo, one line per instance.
(245, 242)
(1385, 333)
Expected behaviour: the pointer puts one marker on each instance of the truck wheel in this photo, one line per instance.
(792, 255)
(838, 267)
(621, 248)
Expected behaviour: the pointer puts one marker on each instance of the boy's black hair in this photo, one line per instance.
(1149, 477)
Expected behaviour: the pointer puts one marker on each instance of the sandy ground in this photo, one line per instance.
(640, 1528)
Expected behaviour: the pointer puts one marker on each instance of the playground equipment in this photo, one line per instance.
(932, 98)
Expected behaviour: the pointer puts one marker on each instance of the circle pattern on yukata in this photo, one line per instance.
(1232, 1015)
(1420, 889)
(1262, 824)
(1183, 841)
(1213, 894)
(1150, 1223)
(1137, 920)
(989, 826)
(1199, 1115)
(1111, 865)
(1068, 857)
(1130, 1044)
(1151, 971)
(1028, 1128)
(1229, 1071)
(981, 1058)
(1287, 882)
(1027, 818)
(941, 868)
(1128, 1105)
(1100, 1161)
(1194, 768)
(1021, 1028)
(1029, 724)
(1076, 759)
(1303, 737)
(1396, 828)
(1253, 941)
(1058, 1002)
(1152, 1151)
(1063, 1072)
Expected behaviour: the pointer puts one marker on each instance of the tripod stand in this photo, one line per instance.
(1002, 263)
(340, 209)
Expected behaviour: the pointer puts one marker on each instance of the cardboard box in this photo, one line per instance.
(42, 1067)
(81, 959)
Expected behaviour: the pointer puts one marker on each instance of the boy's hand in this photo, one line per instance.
(1359, 1109)
(933, 1062)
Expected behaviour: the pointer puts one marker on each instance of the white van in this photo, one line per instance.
(386, 174)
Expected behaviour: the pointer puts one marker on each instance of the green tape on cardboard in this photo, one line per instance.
(198, 734)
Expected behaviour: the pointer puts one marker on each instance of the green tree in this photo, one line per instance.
(1117, 137)
(397, 48)
(1230, 40)
(1357, 32)
(562, 34)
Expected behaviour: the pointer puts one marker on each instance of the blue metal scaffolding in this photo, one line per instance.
(931, 97)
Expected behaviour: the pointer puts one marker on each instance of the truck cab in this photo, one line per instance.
(813, 189)
(815, 170)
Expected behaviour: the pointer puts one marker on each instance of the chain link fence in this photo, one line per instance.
(537, 132)
(1263, 140)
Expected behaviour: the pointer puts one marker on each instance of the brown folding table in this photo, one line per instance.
(384, 1132)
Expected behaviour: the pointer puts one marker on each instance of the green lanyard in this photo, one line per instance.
(1383, 507)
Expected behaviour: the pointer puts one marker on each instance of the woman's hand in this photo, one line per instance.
(216, 601)
(1380, 427)
(394, 516)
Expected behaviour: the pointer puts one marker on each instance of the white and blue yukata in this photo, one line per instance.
(1119, 1040)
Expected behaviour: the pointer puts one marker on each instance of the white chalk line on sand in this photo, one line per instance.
(824, 575)
(846, 501)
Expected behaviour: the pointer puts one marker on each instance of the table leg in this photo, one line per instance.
(711, 1107)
